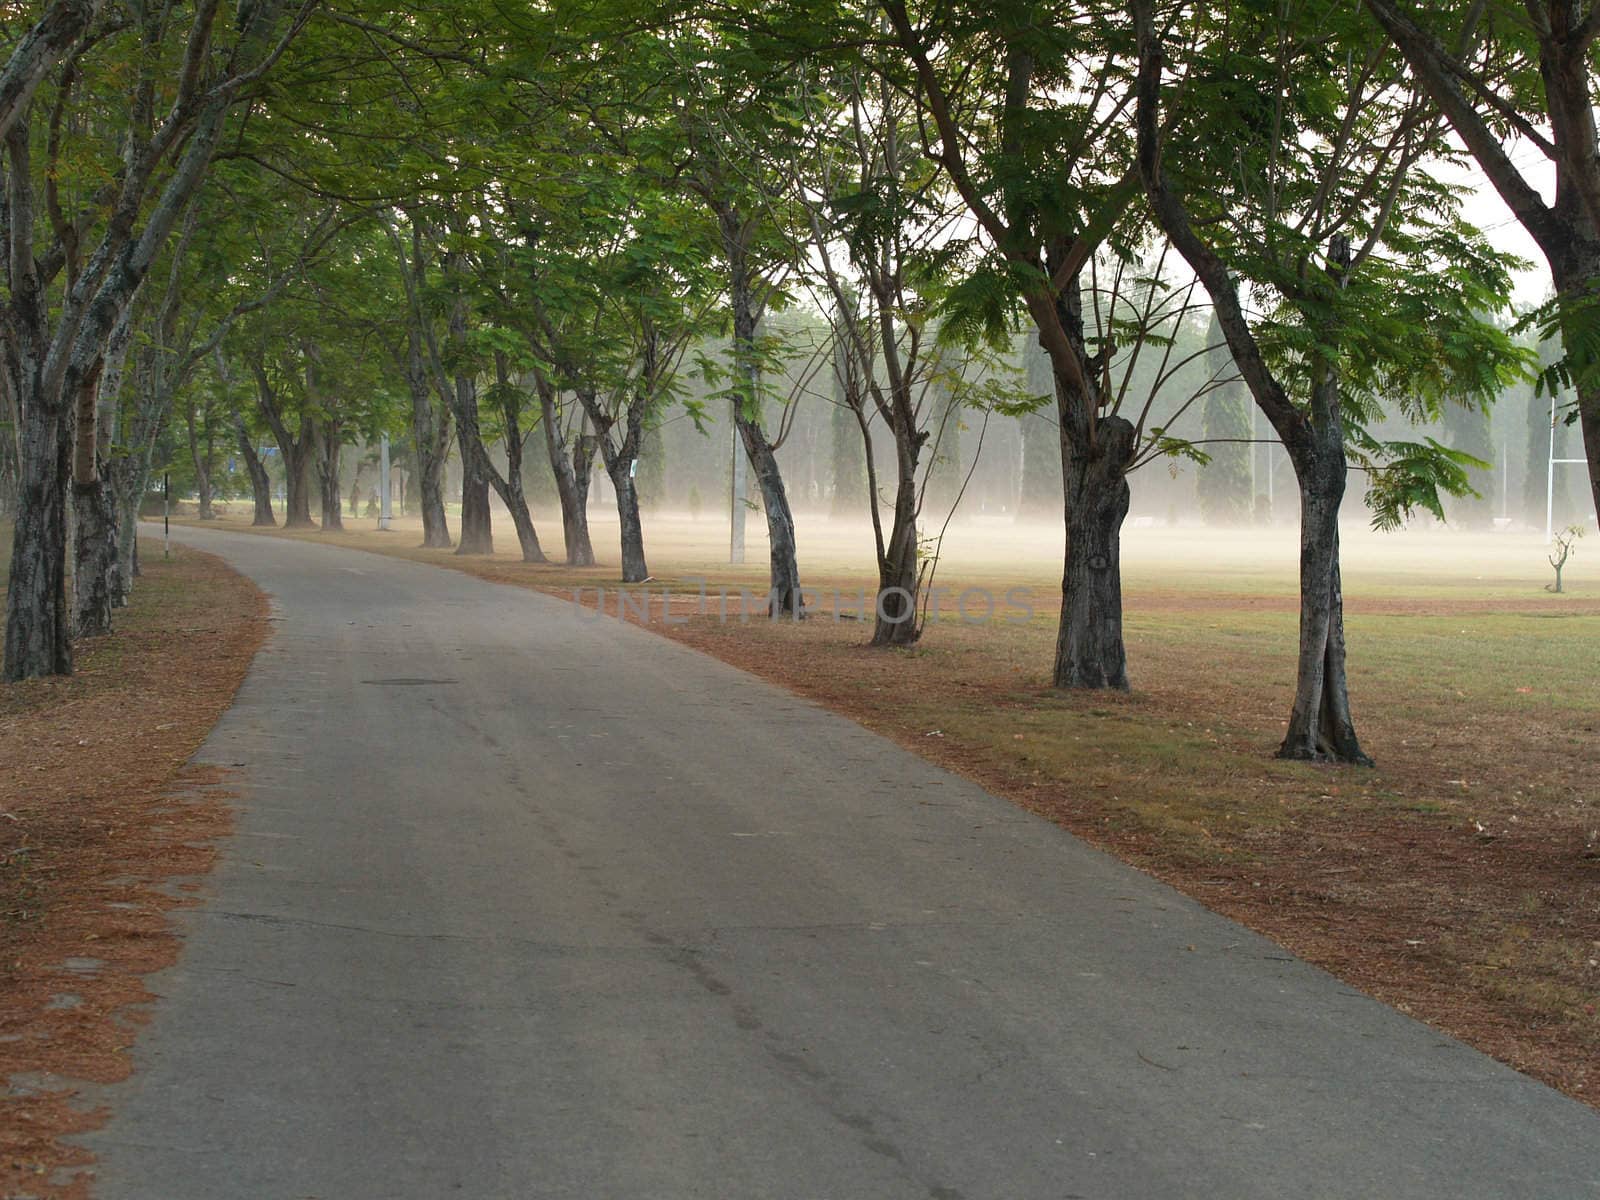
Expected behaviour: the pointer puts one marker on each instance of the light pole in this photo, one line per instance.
(384, 491)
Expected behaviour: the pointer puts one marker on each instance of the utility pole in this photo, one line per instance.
(385, 493)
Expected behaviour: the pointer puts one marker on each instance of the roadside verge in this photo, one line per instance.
(104, 830)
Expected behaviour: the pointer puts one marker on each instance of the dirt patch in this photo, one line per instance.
(102, 831)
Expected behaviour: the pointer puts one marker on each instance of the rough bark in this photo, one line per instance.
(511, 495)
(571, 473)
(509, 487)
(430, 436)
(1097, 451)
(297, 448)
(430, 428)
(95, 586)
(38, 640)
(330, 442)
(128, 478)
(1089, 648)
(619, 457)
(895, 621)
(1321, 728)
(783, 564)
(201, 454)
(634, 567)
(10, 447)
(1320, 724)
(260, 481)
(477, 536)
(297, 456)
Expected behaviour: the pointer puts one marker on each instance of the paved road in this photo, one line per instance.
(524, 904)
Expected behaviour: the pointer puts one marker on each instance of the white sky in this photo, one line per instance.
(1488, 212)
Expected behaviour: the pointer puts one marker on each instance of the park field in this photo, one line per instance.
(1456, 880)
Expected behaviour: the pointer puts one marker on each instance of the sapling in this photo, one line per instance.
(1564, 541)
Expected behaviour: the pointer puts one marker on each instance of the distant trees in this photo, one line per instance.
(1223, 487)
(581, 235)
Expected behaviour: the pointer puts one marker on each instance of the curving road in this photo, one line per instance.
(527, 904)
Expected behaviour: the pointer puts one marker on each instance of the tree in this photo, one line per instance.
(125, 200)
(1364, 282)
(1565, 541)
(430, 422)
(286, 395)
(1504, 74)
(1024, 109)
(733, 120)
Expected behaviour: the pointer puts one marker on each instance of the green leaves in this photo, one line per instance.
(1404, 477)
(1574, 319)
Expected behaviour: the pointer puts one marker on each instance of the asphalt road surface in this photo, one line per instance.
(526, 904)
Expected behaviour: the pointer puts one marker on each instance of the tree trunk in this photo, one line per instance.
(1320, 725)
(895, 622)
(9, 478)
(202, 469)
(129, 476)
(327, 446)
(38, 637)
(430, 489)
(572, 477)
(784, 568)
(573, 488)
(203, 493)
(1089, 646)
(260, 481)
(509, 488)
(634, 567)
(95, 586)
(522, 521)
(477, 537)
(297, 482)
(96, 583)
(430, 436)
